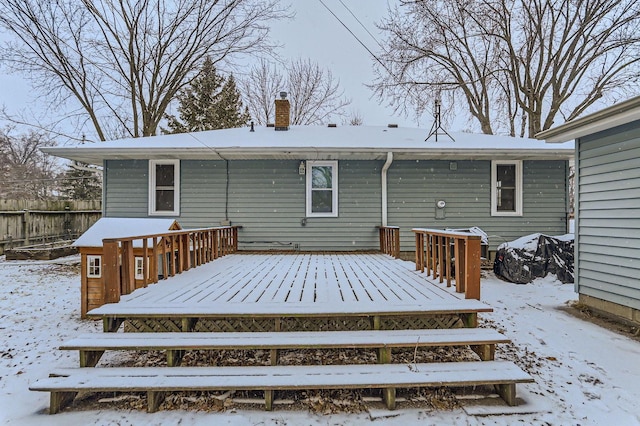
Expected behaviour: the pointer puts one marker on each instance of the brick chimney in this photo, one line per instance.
(282, 112)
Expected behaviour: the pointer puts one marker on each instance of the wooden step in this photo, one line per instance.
(92, 346)
(64, 384)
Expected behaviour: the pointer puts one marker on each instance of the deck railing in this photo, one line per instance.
(390, 240)
(165, 255)
(437, 249)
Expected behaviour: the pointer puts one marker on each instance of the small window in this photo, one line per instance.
(506, 188)
(94, 266)
(164, 187)
(139, 273)
(322, 188)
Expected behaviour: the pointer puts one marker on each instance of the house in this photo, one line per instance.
(91, 253)
(316, 188)
(607, 229)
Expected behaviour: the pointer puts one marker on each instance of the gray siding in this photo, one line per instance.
(268, 199)
(126, 188)
(608, 224)
(416, 186)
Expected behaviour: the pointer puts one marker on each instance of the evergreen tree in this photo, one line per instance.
(78, 184)
(211, 101)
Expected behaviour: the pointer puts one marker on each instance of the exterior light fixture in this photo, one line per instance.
(302, 169)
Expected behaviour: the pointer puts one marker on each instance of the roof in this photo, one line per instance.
(613, 116)
(118, 227)
(314, 142)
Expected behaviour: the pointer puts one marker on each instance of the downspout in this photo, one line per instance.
(386, 166)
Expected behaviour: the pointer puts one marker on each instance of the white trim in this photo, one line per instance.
(518, 188)
(334, 189)
(152, 188)
(385, 168)
(91, 258)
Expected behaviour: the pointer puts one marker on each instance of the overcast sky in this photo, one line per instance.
(317, 34)
(314, 33)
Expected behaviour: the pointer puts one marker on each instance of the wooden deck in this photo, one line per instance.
(284, 286)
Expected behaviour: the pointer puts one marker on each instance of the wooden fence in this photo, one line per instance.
(24, 222)
(438, 252)
(390, 240)
(167, 254)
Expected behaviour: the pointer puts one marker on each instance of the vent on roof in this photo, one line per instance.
(392, 126)
(271, 125)
(332, 125)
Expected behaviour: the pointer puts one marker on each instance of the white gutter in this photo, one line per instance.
(386, 166)
(75, 165)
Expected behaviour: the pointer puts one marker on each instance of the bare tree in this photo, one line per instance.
(314, 93)
(354, 119)
(124, 61)
(25, 171)
(260, 88)
(514, 64)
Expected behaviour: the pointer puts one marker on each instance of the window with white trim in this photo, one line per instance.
(322, 189)
(164, 187)
(506, 188)
(139, 269)
(94, 266)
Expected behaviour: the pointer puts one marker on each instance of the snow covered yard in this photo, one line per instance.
(584, 374)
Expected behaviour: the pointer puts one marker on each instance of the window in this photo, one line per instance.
(322, 188)
(94, 266)
(139, 272)
(506, 188)
(164, 187)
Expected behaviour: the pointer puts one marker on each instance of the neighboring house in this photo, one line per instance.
(607, 228)
(329, 188)
(91, 253)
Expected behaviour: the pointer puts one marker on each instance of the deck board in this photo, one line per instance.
(297, 284)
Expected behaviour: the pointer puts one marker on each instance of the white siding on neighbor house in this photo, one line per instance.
(608, 223)
(267, 198)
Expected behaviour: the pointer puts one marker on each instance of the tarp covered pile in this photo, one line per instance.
(534, 256)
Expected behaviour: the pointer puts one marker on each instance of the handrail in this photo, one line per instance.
(169, 253)
(390, 240)
(434, 253)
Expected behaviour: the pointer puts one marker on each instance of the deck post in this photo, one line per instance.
(389, 397)
(447, 259)
(274, 354)
(485, 352)
(428, 253)
(419, 252)
(472, 271)
(174, 357)
(268, 400)
(90, 358)
(111, 272)
(154, 399)
(111, 324)
(461, 265)
(127, 284)
(384, 355)
(470, 319)
(508, 393)
(375, 322)
(59, 400)
(153, 262)
(188, 324)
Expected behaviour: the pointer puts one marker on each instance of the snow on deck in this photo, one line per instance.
(296, 285)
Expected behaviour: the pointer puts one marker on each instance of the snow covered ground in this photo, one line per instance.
(585, 374)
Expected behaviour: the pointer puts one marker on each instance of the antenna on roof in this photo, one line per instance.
(436, 128)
